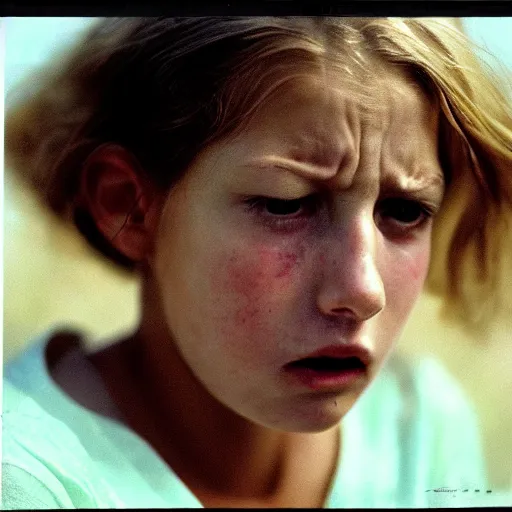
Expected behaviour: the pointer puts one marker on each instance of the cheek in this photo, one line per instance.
(406, 276)
(260, 272)
(251, 289)
(416, 268)
(403, 275)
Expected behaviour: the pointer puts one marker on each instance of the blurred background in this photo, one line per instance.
(51, 277)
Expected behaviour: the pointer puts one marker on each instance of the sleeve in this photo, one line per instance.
(27, 482)
(43, 464)
(21, 490)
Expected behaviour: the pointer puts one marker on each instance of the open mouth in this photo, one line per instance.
(328, 364)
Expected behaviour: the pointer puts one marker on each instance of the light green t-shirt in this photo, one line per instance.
(411, 440)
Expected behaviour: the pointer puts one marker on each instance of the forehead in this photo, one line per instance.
(318, 117)
(380, 133)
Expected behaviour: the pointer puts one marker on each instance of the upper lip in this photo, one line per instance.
(342, 352)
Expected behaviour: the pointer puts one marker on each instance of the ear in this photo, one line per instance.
(121, 200)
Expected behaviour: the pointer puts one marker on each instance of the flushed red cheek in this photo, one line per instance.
(408, 276)
(417, 266)
(250, 285)
(254, 275)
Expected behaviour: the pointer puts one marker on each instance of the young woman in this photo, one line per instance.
(276, 183)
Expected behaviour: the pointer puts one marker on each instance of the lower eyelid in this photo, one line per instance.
(397, 230)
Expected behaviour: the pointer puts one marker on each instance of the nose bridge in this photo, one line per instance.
(358, 253)
(353, 282)
(357, 237)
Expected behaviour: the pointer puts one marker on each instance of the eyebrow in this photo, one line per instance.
(302, 169)
(427, 179)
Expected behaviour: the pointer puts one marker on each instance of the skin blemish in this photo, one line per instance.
(253, 274)
(252, 278)
(287, 262)
(244, 277)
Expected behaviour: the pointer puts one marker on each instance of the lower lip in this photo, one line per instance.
(326, 379)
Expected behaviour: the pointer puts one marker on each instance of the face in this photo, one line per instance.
(309, 230)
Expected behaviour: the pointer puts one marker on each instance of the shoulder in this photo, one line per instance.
(414, 430)
(57, 450)
(439, 433)
(440, 402)
(436, 387)
(43, 462)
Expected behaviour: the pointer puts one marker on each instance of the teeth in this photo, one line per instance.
(329, 363)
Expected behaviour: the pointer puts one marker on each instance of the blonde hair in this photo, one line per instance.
(167, 87)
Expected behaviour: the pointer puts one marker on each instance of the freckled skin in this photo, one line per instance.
(242, 299)
(253, 279)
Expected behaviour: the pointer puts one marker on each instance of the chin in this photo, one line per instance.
(309, 426)
(316, 417)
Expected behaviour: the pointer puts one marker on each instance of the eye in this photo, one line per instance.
(282, 206)
(281, 213)
(402, 210)
(402, 215)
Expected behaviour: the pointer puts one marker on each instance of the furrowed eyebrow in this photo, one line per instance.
(304, 170)
(429, 181)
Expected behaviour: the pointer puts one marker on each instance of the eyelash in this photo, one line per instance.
(425, 213)
(258, 205)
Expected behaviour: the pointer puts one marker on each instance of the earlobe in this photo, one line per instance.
(120, 199)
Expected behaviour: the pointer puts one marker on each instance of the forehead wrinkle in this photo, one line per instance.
(409, 160)
(410, 140)
(351, 140)
(317, 146)
(325, 138)
(301, 168)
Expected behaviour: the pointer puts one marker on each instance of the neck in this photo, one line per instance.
(212, 449)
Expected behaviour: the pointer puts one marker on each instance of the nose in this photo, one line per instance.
(351, 284)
